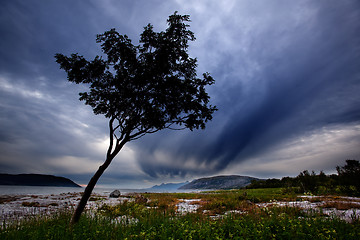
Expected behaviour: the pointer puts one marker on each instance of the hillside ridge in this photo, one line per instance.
(36, 180)
(220, 182)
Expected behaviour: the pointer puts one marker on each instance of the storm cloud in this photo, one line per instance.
(287, 88)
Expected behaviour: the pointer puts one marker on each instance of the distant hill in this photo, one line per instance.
(36, 180)
(220, 182)
(168, 186)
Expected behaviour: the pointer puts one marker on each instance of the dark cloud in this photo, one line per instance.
(287, 78)
(308, 84)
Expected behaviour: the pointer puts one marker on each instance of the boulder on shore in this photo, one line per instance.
(115, 194)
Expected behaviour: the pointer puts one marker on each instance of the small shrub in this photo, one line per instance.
(254, 200)
(140, 199)
(94, 199)
(30, 204)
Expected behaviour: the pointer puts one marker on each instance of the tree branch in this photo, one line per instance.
(111, 137)
(141, 133)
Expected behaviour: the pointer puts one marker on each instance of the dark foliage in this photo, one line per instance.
(346, 182)
(144, 88)
(349, 175)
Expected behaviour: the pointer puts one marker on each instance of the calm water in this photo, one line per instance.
(39, 190)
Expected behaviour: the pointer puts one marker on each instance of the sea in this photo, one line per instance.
(41, 190)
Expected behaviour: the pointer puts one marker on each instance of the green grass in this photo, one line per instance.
(157, 219)
(190, 226)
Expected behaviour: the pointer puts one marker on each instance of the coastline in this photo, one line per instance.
(17, 207)
(22, 202)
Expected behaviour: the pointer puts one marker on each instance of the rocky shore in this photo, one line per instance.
(18, 207)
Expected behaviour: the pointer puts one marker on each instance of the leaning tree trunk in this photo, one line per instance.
(90, 187)
(88, 190)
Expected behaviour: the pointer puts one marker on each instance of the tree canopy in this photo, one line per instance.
(148, 87)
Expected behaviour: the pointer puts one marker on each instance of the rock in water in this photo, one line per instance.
(115, 194)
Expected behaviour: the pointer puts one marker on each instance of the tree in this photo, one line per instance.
(307, 181)
(349, 175)
(141, 89)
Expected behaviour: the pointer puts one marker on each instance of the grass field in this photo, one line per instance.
(219, 215)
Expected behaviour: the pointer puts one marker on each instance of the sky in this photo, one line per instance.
(287, 88)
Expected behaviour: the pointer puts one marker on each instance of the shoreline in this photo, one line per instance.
(14, 207)
(17, 207)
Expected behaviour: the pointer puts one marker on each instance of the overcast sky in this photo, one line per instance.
(287, 87)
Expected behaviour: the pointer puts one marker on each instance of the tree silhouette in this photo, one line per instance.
(141, 89)
(350, 175)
